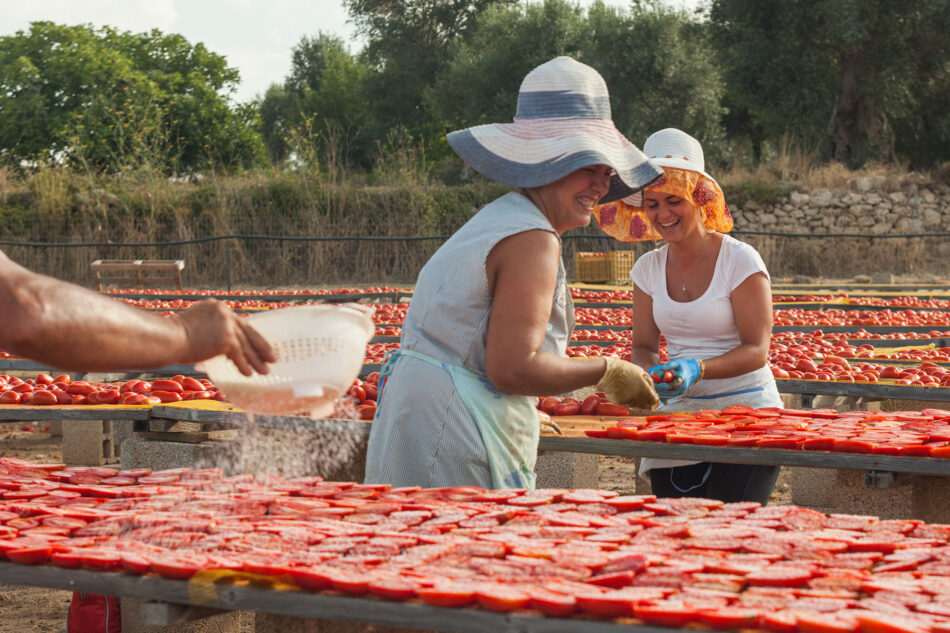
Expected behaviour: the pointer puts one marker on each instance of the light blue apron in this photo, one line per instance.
(507, 423)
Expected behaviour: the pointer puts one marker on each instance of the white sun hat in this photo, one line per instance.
(684, 175)
(562, 124)
(676, 149)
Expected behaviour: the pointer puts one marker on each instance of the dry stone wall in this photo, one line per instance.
(869, 206)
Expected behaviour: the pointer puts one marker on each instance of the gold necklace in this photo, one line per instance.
(693, 265)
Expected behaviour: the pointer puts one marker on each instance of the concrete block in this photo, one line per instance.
(56, 428)
(852, 496)
(567, 470)
(121, 433)
(88, 443)
(227, 622)
(157, 455)
(813, 487)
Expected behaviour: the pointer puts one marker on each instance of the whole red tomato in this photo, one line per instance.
(567, 408)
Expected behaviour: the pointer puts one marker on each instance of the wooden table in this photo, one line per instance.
(288, 602)
(574, 440)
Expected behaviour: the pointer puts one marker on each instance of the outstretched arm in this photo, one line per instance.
(69, 327)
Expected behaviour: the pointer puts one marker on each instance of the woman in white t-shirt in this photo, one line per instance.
(709, 296)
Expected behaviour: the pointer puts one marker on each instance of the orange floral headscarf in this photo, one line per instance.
(626, 220)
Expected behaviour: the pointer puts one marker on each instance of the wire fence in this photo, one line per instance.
(288, 261)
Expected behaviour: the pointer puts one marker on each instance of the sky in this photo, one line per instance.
(256, 36)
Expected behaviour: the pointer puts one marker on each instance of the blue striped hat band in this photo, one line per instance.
(562, 104)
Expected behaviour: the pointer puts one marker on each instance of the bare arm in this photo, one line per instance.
(646, 334)
(522, 275)
(752, 305)
(69, 327)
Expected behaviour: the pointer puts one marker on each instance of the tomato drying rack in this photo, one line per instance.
(229, 597)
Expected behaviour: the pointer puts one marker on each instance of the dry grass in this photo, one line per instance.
(58, 205)
(796, 167)
(837, 257)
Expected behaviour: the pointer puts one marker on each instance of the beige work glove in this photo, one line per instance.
(626, 383)
(547, 424)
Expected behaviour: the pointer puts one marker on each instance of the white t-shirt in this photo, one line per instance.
(704, 328)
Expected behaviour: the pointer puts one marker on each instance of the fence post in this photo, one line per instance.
(227, 248)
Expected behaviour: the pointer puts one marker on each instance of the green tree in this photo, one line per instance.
(480, 83)
(659, 68)
(662, 71)
(115, 101)
(837, 73)
(321, 104)
(408, 45)
(274, 110)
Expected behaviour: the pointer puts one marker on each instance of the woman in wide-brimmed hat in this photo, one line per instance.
(709, 295)
(491, 315)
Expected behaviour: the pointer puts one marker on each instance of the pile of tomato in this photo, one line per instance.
(813, 361)
(553, 552)
(618, 350)
(893, 318)
(47, 390)
(818, 347)
(594, 404)
(601, 296)
(376, 352)
(264, 293)
(364, 394)
(909, 433)
(604, 316)
(861, 334)
(929, 303)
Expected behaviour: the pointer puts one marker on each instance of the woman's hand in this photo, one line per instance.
(626, 383)
(686, 373)
(547, 424)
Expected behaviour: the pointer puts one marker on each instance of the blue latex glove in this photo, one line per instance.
(687, 370)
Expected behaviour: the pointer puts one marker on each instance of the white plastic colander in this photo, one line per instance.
(319, 350)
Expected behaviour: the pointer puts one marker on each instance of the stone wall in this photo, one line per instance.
(869, 205)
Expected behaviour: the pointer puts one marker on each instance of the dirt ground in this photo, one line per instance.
(30, 609)
(34, 610)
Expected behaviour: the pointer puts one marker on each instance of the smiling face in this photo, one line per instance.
(673, 217)
(569, 202)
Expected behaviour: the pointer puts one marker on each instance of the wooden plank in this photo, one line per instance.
(185, 437)
(864, 284)
(269, 298)
(740, 455)
(23, 413)
(369, 368)
(237, 419)
(324, 606)
(865, 390)
(23, 364)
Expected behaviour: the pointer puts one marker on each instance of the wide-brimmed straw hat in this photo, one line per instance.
(684, 166)
(562, 124)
